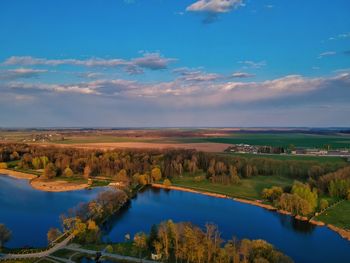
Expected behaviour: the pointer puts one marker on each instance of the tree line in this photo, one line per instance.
(147, 166)
(185, 242)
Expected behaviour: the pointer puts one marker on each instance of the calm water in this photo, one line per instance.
(301, 241)
(31, 213)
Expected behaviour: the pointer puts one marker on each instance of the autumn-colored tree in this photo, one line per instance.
(53, 234)
(156, 174)
(167, 182)
(140, 242)
(68, 172)
(87, 172)
(323, 204)
(3, 165)
(50, 171)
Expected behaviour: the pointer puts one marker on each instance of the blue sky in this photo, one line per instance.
(174, 63)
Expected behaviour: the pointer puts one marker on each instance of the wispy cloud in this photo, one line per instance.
(151, 61)
(326, 54)
(340, 36)
(13, 74)
(242, 75)
(252, 64)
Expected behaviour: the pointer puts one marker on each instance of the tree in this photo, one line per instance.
(323, 204)
(50, 171)
(167, 183)
(36, 162)
(3, 165)
(53, 234)
(272, 193)
(44, 161)
(87, 172)
(140, 242)
(5, 235)
(156, 174)
(68, 172)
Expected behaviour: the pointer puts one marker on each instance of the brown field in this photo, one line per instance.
(205, 147)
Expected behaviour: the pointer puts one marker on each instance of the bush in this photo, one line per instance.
(323, 204)
(167, 182)
(3, 165)
(272, 193)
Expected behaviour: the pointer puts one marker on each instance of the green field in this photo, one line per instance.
(338, 215)
(319, 159)
(279, 139)
(248, 188)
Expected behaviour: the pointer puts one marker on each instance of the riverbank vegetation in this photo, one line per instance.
(185, 242)
(85, 220)
(307, 185)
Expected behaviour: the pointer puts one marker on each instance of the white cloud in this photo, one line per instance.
(152, 61)
(186, 92)
(242, 75)
(19, 73)
(214, 6)
(326, 54)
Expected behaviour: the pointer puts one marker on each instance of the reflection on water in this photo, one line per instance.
(297, 225)
(300, 240)
(30, 213)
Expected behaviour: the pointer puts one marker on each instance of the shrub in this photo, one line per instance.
(167, 182)
(323, 204)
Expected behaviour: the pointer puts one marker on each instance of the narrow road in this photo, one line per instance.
(38, 254)
(109, 255)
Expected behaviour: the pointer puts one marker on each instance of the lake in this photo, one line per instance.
(30, 213)
(300, 240)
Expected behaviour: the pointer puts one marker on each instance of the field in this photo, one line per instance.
(248, 188)
(338, 215)
(285, 139)
(319, 159)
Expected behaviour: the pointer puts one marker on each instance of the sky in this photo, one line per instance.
(168, 63)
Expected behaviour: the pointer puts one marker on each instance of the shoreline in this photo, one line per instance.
(17, 175)
(56, 186)
(44, 184)
(342, 232)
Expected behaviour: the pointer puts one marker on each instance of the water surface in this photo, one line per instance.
(30, 213)
(301, 241)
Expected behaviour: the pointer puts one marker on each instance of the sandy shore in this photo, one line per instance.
(56, 186)
(17, 175)
(342, 232)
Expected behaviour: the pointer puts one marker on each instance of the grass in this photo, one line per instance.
(63, 253)
(338, 215)
(248, 188)
(125, 248)
(320, 159)
(279, 139)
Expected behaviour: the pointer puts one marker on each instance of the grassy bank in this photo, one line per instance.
(248, 188)
(338, 215)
